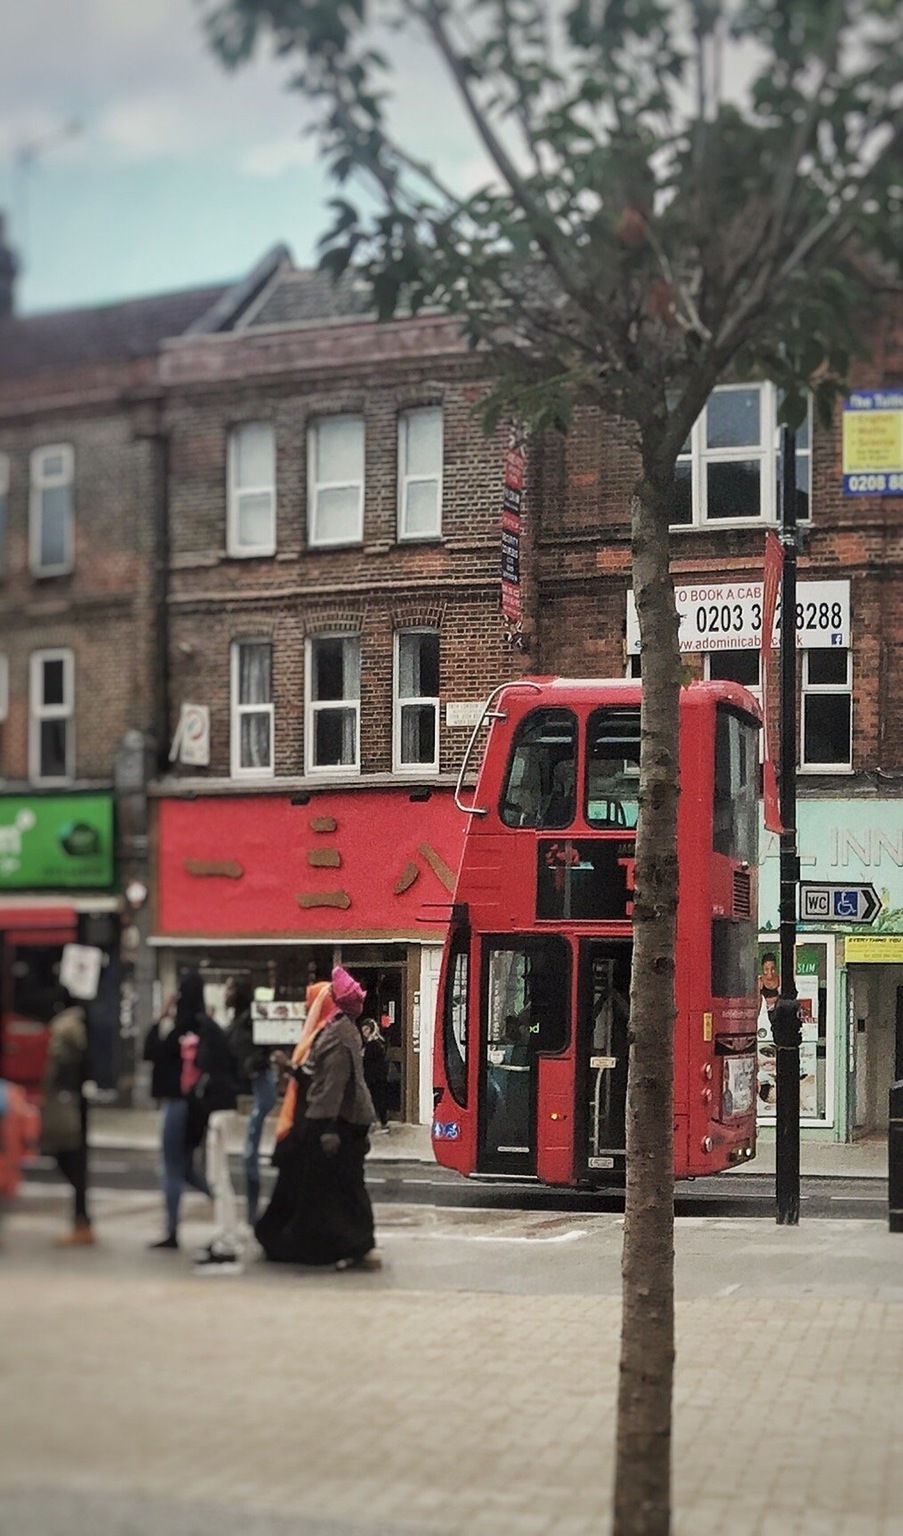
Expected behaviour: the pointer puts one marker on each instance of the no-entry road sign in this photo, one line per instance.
(832, 903)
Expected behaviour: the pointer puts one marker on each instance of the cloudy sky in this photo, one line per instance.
(130, 162)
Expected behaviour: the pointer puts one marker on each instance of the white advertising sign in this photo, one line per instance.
(80, 969)
(275, 1023)
(460, 716)
(192, 739)
(728, 617)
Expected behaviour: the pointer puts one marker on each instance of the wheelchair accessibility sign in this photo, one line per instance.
(830, 903)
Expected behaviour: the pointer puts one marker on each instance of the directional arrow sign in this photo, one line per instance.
(835, 903)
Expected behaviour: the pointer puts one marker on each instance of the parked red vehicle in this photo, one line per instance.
(31, 948)
(531, 1042)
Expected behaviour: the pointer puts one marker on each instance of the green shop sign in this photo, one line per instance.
(47, 841)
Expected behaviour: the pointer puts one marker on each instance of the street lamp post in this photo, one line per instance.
(786, 1015)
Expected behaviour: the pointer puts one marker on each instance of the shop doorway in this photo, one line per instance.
(385, 986)
(876, 1054)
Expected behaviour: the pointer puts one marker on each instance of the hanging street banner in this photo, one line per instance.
(512, 498)
(728, 616)
(873, 443)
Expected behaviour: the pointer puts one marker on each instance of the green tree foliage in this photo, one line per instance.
(673, 186)
(674, 190)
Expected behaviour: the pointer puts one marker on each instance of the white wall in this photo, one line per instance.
(430, 962)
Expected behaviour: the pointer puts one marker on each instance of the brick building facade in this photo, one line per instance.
(850, 686)
(81, 498)
(369, 627)
(294, 519)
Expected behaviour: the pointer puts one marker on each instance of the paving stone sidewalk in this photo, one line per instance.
(139, 1400)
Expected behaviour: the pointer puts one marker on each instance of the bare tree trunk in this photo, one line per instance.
(642, 1501)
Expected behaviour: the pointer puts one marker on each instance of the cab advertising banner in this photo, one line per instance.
(873, 443)
(49, 842)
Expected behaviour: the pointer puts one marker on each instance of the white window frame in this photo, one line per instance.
(767, 452)
(38, 712)
(313, 707)
(406, 420)
(236, 492)
(39, 483)
(315, 485)
(814, 690)
(755, 691)
(237, 712)
(422, 700)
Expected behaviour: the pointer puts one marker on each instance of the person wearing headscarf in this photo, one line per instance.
(167, 1043)
(320, 1212)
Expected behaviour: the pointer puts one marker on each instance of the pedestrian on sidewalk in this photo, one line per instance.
(321, 1212)
(211, 1118)
(163, 1048)
(257, 1076)
(64, 1116)
(376, 1069)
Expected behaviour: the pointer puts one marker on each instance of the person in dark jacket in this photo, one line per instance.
(211, 1114)
(163, 1048)
(257, 1076)
(65, 1114)
(376, 1068)
(320, 1212)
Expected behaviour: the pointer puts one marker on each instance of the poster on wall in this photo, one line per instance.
(807, 982)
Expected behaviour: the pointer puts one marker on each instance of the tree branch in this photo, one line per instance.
(786, 175)
(535, 211)
(837, 225)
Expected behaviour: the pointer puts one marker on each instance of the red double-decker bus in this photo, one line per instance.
(531, 1040)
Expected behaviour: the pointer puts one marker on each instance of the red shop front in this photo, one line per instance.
(282, 887)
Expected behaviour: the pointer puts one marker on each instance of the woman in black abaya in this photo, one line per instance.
(320, 1212)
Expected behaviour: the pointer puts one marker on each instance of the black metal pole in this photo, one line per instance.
(786, 1016)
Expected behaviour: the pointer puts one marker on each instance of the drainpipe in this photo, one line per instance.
(162, 678)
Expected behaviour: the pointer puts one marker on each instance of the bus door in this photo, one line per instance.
(525, 1014)
(603, 1011)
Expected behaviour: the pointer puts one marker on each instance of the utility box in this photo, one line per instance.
(895, 1159)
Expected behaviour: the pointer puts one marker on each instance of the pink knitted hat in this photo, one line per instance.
(348, 993)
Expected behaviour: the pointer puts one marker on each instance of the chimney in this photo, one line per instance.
(9, 266)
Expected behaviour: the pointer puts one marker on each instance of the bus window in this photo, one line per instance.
(612, 767)
(454, 1022)
(735, 818)
(539, 787)
(528, 994)
(734, 957)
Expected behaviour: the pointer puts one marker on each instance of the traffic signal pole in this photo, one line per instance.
(786, 1015)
